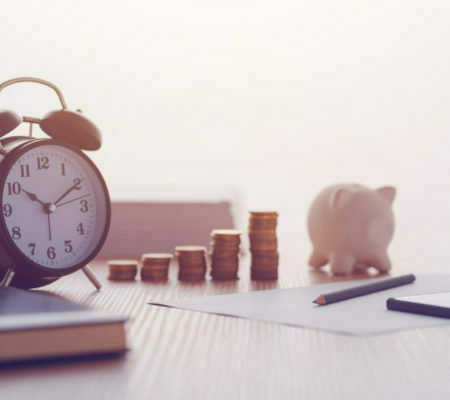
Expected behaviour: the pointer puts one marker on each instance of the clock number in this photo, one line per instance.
(33, 247)
(77, 182)
(42, 163)
(16, 234)
(68, 246)
(7, 210)
(25, 171)
(80, 228)
(14, 188)
(63, 169)
(84, 206)
(51, 253)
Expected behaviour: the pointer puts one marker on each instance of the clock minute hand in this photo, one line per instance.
(33, 197)
(70, 201)
(73, 187)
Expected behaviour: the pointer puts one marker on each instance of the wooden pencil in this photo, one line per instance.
(362, 290)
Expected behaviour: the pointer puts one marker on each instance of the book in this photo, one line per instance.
(37, 325)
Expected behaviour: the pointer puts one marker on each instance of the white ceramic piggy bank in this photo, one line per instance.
(350, 227)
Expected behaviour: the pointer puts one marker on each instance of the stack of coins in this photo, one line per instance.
(155, 266)
(225, 254)
(122, 270)
(263, 245)
(192, 263)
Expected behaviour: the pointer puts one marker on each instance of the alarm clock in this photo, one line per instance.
(55, 206)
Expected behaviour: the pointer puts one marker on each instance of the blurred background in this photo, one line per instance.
(262, 102)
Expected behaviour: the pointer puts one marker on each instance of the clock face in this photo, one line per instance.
(55, 206)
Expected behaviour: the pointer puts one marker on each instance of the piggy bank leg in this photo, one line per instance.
(381, 262)
(317, 260)
(361, 266)
(341, 264)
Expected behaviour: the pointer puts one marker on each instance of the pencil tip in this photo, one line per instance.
(320, 301)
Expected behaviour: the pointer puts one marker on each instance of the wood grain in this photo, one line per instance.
(182, 354)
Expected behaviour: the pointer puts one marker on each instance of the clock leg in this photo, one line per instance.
(91, 276)
(8, 277)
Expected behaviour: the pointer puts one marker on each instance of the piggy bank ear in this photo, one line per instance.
(388, 193)
(340, 197)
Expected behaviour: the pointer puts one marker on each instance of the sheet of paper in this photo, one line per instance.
(357, 316)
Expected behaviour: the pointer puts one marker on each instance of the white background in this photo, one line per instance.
(270, 100)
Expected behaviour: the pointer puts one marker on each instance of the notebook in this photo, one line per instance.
(38, 325)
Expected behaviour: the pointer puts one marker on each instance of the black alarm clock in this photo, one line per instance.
(55, 204)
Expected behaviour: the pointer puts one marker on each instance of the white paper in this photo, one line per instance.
(358, 316)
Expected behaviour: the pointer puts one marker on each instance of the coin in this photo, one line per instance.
(156, 256)
(122, 270)
(226, 246)
(224, 255)
(190, 249)
(260, 256)
(191, 262)
(152, 275)
(230, 233)
(263, 214)
(263, 245)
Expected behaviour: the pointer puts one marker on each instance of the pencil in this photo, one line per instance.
(362, 290)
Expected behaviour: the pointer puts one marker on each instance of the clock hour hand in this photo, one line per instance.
(75, 186)
(33, 197)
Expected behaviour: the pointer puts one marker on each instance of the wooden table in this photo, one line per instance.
(181, 354)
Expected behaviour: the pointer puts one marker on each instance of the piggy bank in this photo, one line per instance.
(350, 228)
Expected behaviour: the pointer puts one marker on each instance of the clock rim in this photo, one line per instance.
(16, 255)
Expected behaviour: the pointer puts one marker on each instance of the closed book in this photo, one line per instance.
(37, 325)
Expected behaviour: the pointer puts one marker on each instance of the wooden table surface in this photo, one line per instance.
(189, 355)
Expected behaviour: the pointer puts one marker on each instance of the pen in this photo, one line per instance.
(362, 290)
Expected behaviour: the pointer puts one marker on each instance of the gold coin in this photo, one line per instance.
(193, 269)
(157, 256)
(156, 263)
(121, 276)
(154, 276)
(225, 241)
(216, 253)
(226, 232)
(225, 268)
(122, 263)
(265, 256)
(263, 246)
(190, 249)
(262, 224)
(264, 268)
(226, 249)
(262, 235)
(263, 214)
(155, 267)
(191, 256)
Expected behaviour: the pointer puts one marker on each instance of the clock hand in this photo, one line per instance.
(33, 197)
(70, 201)
(76, 186)
(49, 228)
